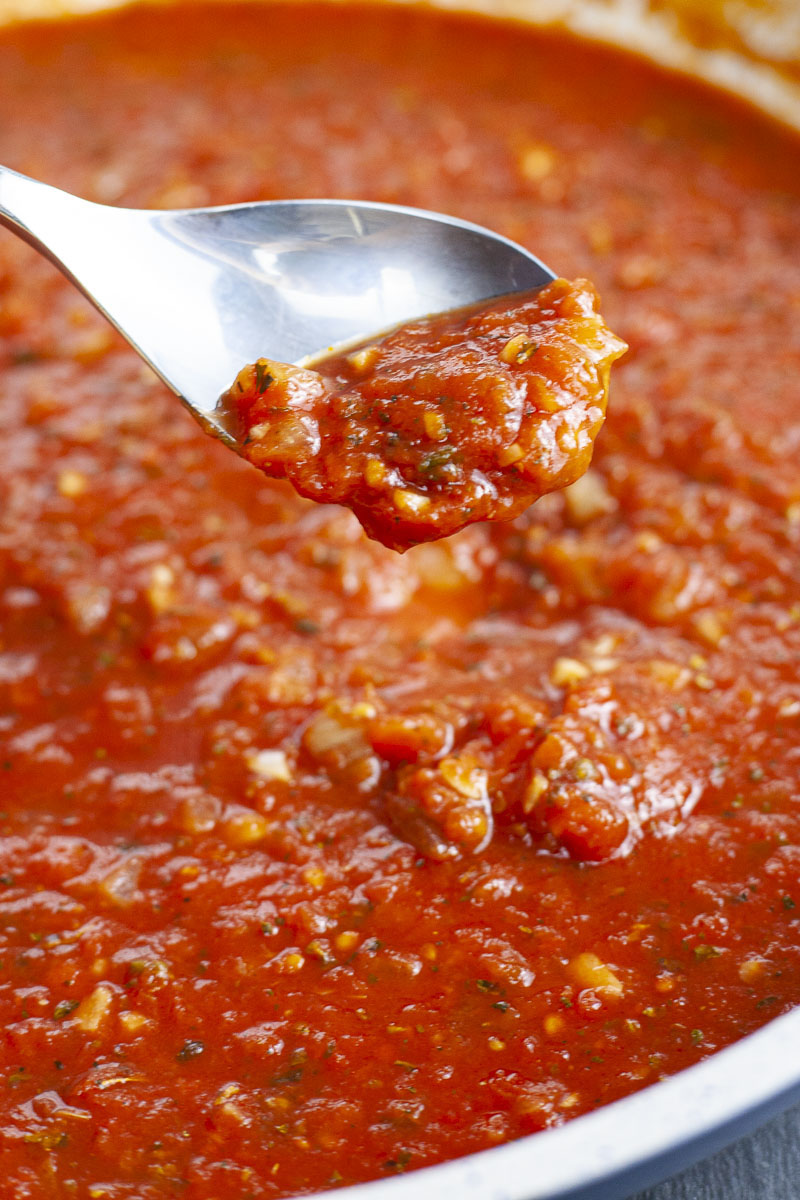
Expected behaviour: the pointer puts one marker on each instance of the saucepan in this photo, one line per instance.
(752, 48)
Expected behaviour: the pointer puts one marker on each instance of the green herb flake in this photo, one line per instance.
(704, 952)
(64, 1008)
(526, 352)
(486, 985)
(306, 626)
(263, 377)
(189, 1050)
(432, 465)
(47, 1139)
(399, 1162)
(293, 1075)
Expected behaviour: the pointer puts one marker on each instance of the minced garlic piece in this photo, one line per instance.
(374, 472)
(518, 349)
(160, 591)
(409, 502)
(434, 424)
(362, 360)
(245, 827)
(536, 162)
(534, 791)
(568, 671)
(93, 1009)
(314, 877)
(589, 971)
(464, 776)
(72, 483)
(508, 455)
(132, 1021)
(269, 764)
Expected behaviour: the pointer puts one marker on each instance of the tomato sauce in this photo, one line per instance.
(462, 417)
(319, 863)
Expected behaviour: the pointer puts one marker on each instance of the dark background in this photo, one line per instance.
(764, 1166)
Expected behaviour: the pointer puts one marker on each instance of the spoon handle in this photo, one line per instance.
(13, 187)
(136, 269)
(43, 216)
(23, 204)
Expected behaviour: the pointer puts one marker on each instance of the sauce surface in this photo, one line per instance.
(318, 863)
(467, 416)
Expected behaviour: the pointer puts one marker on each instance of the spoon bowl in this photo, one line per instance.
(201, 292)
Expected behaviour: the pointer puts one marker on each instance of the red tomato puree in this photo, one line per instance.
(319, 863)
(457, 418)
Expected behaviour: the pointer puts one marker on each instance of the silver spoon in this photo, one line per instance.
(201, 292)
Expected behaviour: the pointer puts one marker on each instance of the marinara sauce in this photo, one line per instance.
(319, 863)
(458, 417)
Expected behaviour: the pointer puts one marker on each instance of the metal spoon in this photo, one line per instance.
(201, 292)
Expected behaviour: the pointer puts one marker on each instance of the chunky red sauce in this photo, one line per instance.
(467, 416)
(318, 863)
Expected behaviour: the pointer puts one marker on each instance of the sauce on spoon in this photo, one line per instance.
(465, 416)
